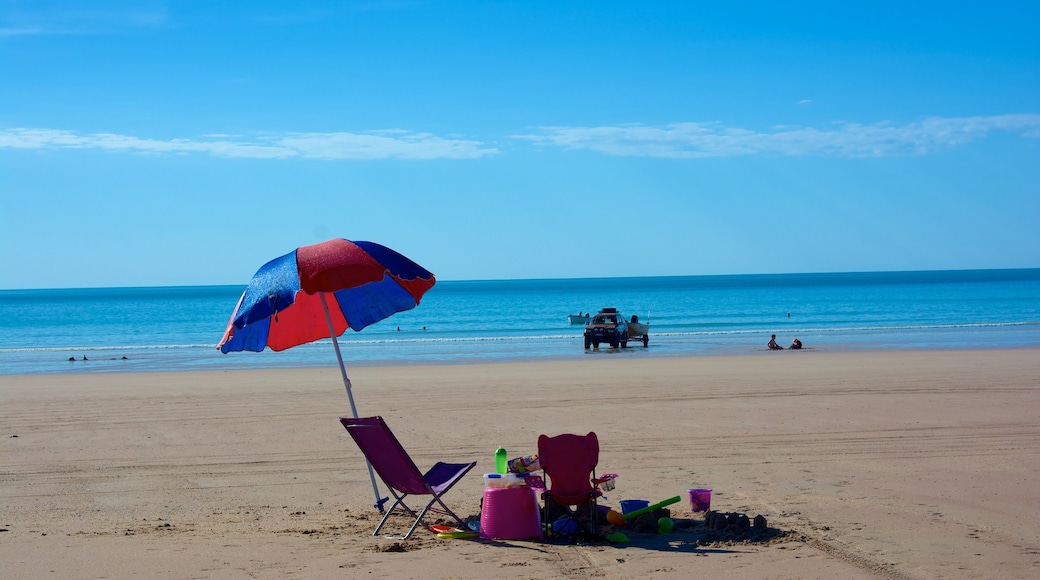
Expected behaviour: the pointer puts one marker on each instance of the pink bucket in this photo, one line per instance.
(510, 513)
(700, 500)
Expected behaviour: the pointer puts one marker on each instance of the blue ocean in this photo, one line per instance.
(177, 328)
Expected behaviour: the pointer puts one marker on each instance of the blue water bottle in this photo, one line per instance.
(501, 460)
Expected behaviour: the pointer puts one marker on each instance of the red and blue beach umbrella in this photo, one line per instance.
(285, 303)
(320, 291)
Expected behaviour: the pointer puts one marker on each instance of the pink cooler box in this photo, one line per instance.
(510, 513)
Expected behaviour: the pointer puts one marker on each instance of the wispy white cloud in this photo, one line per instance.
(691, 140)
(83, 17)
(59, 139)
(679, 141)
(382, 144)
(397, 144)
(57, 17)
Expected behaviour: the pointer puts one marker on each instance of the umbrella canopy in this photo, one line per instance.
(320, 291)
(361, 282)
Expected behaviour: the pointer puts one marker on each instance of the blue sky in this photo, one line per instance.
(147, 143)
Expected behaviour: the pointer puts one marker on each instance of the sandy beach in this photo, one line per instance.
(884, 464)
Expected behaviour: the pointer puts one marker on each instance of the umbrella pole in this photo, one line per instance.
(350, 395)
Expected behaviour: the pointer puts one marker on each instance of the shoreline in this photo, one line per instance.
(484, 351)
(880, 463)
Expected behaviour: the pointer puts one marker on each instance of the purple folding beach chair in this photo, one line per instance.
(399, 473)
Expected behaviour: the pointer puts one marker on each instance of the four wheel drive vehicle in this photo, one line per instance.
(608, 325)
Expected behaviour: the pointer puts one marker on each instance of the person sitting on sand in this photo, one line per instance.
(773, 345)
(797, 344)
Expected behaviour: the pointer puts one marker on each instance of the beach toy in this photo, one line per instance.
(565, 525)
(605, 482)
(617, 519)
(456, 535)
(617, 538)
(664, 526)
(700, 500)
(449, 532)
(630, 505)
(649, 509)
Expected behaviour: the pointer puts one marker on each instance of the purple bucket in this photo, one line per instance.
(700, 500)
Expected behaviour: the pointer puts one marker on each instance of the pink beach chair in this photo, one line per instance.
(569, 462)
(399, 473)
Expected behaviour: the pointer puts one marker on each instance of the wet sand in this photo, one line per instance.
(887, 464)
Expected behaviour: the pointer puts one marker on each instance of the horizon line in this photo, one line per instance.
(562, 279)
